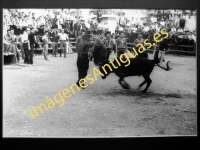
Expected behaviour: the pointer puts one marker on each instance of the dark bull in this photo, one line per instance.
(138, 67)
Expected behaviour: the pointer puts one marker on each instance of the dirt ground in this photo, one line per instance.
(103, 108)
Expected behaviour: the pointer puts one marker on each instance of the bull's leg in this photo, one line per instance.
(148, 80)
(125, 85)
(141, 84)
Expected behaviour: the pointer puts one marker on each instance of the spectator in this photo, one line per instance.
(162, 22)
(55, 39)
(7, 42)
(121, 44)
(180, 30)
(63, 42)
(32, 41)
(13, 45)
(45, 38)
(25, 44)
(77, 29)
(46, 27)
(108, 43)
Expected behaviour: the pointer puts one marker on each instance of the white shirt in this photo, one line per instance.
(158, 29)
(45, 38)
(162, 23)
(24, 37)
(173, 29)
(194, 37)
(63, 36)
(23, 23)
(30, 22)
(134, 29)
(153, 26)
(146, 28)
(180, 30)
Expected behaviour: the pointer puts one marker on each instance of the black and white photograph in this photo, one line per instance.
(99, 72)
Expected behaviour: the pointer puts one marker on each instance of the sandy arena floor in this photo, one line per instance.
(103, 108)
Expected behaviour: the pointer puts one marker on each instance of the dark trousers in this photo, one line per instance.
(25, 48)
(30, 55)
(77, 33)
(120, 51)
(55, 48)
(83, 66)
(108, 50)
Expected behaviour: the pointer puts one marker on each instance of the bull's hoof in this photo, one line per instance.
(143, 91)
(140, 86)
(126, 87)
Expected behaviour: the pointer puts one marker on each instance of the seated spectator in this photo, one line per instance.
(167, 22)
(13, 46)
(173, 30)
(146, 28)
(139, 29)
(185, 38)
(158, 27)
(162, 22)
(191, 39)
(134, 29)
(7, 42)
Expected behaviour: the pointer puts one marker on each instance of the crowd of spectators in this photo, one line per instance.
(175, 26)
(15, 22)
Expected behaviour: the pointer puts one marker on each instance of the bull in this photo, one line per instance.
(138, 67)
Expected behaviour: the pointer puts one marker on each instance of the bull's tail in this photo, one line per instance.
(167, 64)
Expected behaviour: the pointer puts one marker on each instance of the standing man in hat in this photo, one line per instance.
(63, 42)
(121, 44)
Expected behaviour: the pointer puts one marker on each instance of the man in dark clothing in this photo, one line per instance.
(55, 26)
(83, 25)
(151, 34)
(80, 38)
(182, 23)
(31, 38)
(77, 29)
(67, 24)
(83, 46)
(54, 44)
